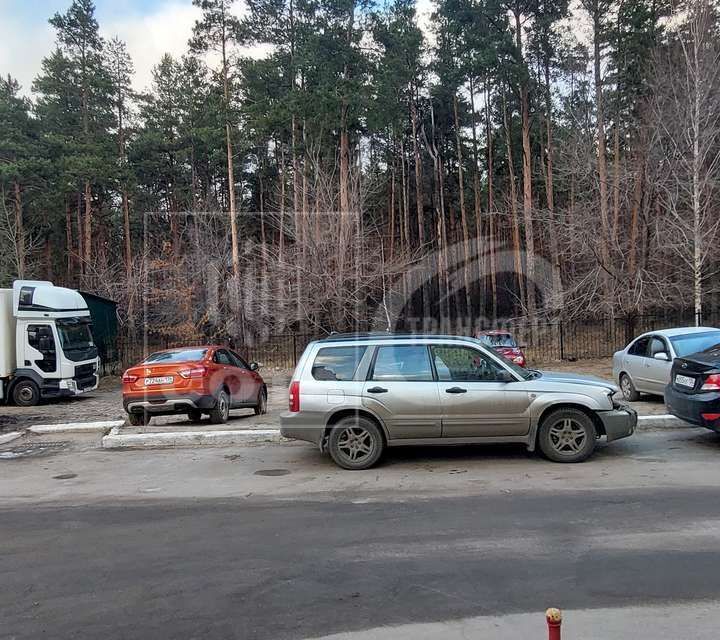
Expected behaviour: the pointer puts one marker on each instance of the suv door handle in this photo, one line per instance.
(377, 390)
(455, 390)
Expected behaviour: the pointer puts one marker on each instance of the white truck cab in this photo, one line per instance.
(46, 345)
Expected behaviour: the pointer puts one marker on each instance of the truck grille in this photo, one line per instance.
(84, 370)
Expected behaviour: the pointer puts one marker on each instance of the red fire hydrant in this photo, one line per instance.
(554, 622)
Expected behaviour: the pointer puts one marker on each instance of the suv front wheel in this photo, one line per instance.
(355, 443)
(567, 435)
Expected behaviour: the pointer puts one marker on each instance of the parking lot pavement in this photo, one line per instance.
(106, 404)
(276, 543)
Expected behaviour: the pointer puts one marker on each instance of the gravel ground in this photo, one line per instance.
(106, 403)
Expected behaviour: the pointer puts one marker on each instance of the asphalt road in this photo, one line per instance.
(342, 556)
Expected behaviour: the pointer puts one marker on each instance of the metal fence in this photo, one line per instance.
(542, 341)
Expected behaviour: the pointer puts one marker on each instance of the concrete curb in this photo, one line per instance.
(9, 437)
(76, 427)
(661, 422)
(115, 440)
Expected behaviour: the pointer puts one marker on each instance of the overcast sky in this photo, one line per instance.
(149, 27)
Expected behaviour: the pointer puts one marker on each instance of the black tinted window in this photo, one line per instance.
(640, 347)
(403, 363)
(337, 363)
(462, 364)
(238, 361)
(223, 357)
(40, 337)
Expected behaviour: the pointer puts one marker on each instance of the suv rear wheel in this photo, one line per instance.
(355, 443)
(567, 435)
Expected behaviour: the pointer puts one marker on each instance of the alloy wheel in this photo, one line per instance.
(568, 436)
(356, 444)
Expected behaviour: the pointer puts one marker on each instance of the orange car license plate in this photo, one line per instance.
(163, 380)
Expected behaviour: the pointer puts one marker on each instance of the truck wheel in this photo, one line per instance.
(138, 419)
(567, 435)
(355, 443)
(628, 388)
(26, 394)
(221, 412)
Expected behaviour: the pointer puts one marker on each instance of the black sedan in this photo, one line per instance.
(693, 394)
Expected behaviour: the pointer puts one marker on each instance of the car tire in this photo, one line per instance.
(138, 419)
(195, 415)
(26, 394)
(630, 393)
(356, 443)
(221, 412)
(567, 435)
(261, 405)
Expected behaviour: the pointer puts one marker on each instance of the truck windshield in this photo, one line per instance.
(75, 334)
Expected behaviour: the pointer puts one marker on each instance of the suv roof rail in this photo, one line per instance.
(382, 335)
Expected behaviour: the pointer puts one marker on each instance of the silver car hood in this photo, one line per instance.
(573, 378)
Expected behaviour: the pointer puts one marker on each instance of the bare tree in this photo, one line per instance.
(686, 124)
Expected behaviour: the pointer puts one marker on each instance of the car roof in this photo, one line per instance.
(495, 332)
(679, 331)
(389, 337)
(199, 347)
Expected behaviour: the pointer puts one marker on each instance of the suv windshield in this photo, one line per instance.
(525, 374)
(695, 342)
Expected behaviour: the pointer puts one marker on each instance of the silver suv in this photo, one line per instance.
(353, 395)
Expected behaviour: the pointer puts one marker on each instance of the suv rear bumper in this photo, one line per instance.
(690, 407)
(167, 403)
(302, 426)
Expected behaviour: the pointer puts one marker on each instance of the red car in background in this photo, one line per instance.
(193, 381)
(504, 343)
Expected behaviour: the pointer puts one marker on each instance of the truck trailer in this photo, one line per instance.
(46, 345)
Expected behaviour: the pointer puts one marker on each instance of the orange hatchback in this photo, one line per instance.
(192, 381)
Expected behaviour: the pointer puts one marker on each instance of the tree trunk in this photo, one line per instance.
(491, 202)
(550, 193)
(601, 157)
(68, 241)
(463, 212)
(87, 240)
(19, 232)
(527, 177)
(513, 209)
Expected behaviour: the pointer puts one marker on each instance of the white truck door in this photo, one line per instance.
(40, 353)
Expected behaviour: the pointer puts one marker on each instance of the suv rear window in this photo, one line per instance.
(337, 363)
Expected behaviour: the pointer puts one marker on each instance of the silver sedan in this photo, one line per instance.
(644, 365)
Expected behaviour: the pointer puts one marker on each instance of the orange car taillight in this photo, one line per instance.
(294, 397)
(195, 372)
(712, 383)
(128, 378)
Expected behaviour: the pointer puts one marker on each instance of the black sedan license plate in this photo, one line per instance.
(685, 381)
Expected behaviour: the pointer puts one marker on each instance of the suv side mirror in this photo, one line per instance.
(661, 355)
(505, 376)
(254, 366)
